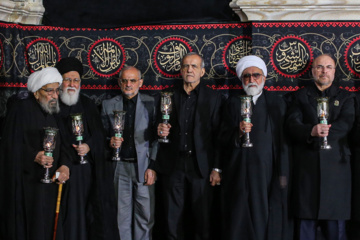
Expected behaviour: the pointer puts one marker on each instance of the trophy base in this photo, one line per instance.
(44, 180)
(162, 140)
(247, 145)
(326, 147)
(83, 162)
(116, 159)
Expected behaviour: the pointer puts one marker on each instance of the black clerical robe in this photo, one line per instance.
(89, 206)
(27, 206)
(254, 189)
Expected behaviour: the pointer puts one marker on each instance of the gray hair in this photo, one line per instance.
(202, 65)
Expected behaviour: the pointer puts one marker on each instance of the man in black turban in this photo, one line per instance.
(90, 207)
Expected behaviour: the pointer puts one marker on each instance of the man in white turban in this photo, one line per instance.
(44, 84)
(255, 178)
(27, 206)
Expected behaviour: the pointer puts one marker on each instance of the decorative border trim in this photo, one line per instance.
(144, 27)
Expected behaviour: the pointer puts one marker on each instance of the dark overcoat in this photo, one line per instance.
(322, 178)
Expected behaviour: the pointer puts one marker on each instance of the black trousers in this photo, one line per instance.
(330, 229)
(187, 201)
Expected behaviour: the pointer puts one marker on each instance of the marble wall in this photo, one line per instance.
(296, 10)
(31, 11)
(22, 11)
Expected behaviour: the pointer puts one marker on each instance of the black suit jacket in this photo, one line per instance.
(206, 126)
(322, 178)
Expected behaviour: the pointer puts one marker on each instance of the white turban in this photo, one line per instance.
(250, 61)
(45, 76)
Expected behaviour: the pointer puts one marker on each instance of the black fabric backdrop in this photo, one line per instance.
(118, 13)
(288, 48)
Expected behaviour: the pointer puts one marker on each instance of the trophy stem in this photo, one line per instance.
(82, 158)
(46, 178)
(325, 144)
(247, 142)
(116, 156)
(164, 139)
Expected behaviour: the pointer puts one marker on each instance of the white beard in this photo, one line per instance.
(70, 99)
(252, 91)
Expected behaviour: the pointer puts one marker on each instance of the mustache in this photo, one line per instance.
(71, 88)
(252, 84)
(53, 101)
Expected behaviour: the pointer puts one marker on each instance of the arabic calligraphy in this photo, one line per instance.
(170, 55)
(42, 54)
(355, 58)
(106, 56)
(292, 56)
(237, 50)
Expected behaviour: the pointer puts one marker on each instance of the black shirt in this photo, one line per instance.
(128, 149)
(187, 118)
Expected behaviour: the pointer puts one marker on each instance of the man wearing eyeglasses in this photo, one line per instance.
(321, 177)
(134, 178)
(27, 206)
(254, 178)
(89, 198)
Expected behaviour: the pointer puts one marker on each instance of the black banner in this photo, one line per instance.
(288, 48)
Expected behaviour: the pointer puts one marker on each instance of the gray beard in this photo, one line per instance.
(69, 99)
(252, 91)
(48, 108)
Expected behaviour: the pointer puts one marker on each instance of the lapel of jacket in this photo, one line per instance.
(177, 100)
(139, 114)
(118, 105)
(201, 107)
(312, 99)
(332, 96)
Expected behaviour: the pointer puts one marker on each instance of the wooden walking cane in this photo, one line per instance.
(57, 209)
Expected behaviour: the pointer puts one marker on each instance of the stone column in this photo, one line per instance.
(22, 11)
(296, 10)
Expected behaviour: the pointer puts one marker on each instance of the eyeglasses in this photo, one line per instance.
(321, 67)
(125, 81)
(51, 91)
(248, 76)
(69, 80)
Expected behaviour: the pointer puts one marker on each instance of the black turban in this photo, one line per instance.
(69, 64)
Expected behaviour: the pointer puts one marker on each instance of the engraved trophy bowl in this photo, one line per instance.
(78, 130)
(49, 146)
(246, 112)
(166, 108)
(118, 126)
(323, 115)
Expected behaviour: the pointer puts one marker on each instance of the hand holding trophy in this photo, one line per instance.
(78, 130)
(323, 115)
(49, 146)
(246, 112)
(166, 107)
(119, 121)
